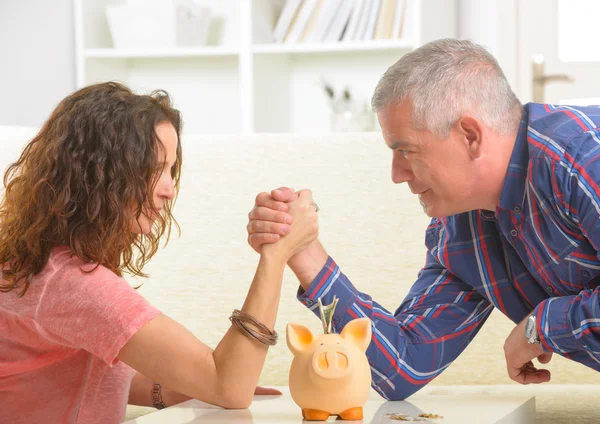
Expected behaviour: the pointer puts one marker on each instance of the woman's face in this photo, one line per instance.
(164, 189)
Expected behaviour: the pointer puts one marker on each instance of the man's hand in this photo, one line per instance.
(266, 391)
(269, 218)
(519, 353)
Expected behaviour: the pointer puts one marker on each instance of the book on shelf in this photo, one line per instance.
(372, 20)
(385, 20)
(389, 20)
(399, 16)
(363, 21)
(288, 13)
(300, 21)
(316, 21)
(326, 15)
(312, 22)
(336, 29)
(354, 20)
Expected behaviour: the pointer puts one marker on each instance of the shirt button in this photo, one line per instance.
(549, 289)
(514, 232)
(517, 209)
(585, 274)
(310, 302)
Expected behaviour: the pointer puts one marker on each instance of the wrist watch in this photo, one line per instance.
(531, 333)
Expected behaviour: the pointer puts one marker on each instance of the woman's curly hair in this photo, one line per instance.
(94, 163)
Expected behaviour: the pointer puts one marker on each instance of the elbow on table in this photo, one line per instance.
(231, 398)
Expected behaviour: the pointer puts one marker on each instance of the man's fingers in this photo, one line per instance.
(261, 213)
(544, 358)
(284, 194)
(535, 377)
(267, 201)
(528, 374)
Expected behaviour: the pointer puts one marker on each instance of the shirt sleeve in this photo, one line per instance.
(95, 311)
(572, 323)
(433, 325)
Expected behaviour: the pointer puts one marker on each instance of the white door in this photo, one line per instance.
(565, 33)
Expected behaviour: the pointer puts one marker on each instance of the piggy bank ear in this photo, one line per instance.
(299, 337)
(358, 331)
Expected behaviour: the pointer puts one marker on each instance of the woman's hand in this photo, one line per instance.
(266, 391)
(304, 228)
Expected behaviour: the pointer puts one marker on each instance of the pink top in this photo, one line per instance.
(59, 342)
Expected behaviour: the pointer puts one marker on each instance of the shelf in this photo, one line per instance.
(213, 51)
(243, 81)
(182, 52)
(367, 46)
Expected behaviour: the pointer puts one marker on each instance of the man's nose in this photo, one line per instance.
(401, 170)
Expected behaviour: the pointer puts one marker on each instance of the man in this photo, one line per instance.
(515, 205)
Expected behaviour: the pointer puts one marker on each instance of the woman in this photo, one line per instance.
(89, 199)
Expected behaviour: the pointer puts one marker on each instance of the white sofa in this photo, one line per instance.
(373, 229)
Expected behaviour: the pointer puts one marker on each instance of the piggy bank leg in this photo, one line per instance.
(314, 415)
(352, 414)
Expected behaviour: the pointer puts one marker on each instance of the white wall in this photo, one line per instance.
(37, 66)
(494, 24)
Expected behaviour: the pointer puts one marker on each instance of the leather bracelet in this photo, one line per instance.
(240, 320)
(157, 400)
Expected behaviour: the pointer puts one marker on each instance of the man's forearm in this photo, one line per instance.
(140, 393)
(307, 264)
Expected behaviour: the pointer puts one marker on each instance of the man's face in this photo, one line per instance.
(436, 169)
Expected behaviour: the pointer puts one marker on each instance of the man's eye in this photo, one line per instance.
(403, 152)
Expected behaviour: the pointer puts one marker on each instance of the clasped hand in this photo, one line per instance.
(283, 220)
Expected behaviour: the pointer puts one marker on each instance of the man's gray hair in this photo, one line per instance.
(445, 79)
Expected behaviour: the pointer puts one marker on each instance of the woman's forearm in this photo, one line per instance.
(140, 392)
(239, 359)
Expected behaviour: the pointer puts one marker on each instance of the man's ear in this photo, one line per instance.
(471, 132)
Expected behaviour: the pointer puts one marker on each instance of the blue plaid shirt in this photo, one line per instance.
(538, 251)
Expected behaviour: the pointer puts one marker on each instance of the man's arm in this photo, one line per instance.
(435, 323)
(409, 348)
(308, 263)
(571, 324)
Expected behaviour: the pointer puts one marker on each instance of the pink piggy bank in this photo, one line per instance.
(330, 374)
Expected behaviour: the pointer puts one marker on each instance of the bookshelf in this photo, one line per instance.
(243, 81)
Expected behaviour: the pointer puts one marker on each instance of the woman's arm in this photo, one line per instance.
(140, 393)
(166, 352)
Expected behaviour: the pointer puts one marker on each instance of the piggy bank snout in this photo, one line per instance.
(331, 361)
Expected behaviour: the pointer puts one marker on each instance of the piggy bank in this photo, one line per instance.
(330, 373)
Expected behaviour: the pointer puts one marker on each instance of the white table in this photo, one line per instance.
(457, 404)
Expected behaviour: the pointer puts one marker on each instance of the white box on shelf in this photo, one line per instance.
(136, 26)
(192, 22)
(158, 24)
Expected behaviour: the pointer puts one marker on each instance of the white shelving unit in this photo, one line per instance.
(248, 84)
